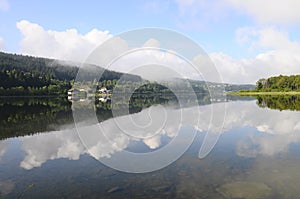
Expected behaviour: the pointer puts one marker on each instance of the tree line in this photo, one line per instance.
(18, 82)
(279, 83)
(27, 75)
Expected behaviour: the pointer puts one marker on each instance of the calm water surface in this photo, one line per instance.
(257, 155)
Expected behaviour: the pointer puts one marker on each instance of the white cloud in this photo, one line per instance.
(2, 45)
(197, 12)
(230, 69)
(72, 46)
(65, 45)
(269, 11)
(266, 38)
(152, 43)
(281, 56)
(4, 5)
(278, 53)
(153, 64)
(264, 65)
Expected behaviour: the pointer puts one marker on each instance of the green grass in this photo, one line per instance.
(251, 93)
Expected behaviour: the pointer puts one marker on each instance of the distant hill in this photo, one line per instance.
(238, 87)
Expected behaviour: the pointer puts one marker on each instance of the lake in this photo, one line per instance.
(253, 153)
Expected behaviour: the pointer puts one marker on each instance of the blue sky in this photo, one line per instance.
(119, 16)
(242, 37)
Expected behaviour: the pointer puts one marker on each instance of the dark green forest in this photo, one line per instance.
(27, 75)
(279, 83)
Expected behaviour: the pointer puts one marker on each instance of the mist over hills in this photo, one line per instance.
(22, 75)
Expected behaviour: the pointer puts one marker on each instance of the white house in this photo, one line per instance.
(103, 90)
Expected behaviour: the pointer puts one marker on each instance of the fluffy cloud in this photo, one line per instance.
(153, 64)
(65, 45)
(269, 11)
(264, 65)
(266, 38)
(199, 13)
(4, 5)
(281, 56)
(70, 45)
(278, 54)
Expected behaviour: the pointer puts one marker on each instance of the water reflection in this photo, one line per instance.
(3, 147)
(26, 116)
(279, 102)
(49, 146)
(257, 156)
(277, 131)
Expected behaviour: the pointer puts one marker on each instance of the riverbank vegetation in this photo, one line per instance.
(279, 85)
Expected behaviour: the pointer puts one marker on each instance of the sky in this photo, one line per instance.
(246, 40)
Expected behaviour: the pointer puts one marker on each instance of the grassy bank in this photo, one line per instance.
(251, 93)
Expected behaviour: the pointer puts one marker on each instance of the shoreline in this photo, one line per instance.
(253, 93)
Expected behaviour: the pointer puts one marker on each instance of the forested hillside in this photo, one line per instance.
(27, 75)
(48, 68)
